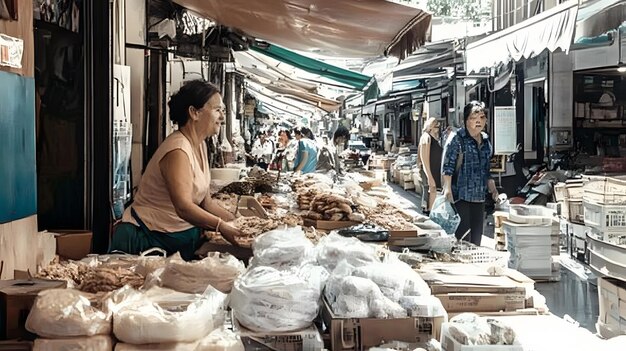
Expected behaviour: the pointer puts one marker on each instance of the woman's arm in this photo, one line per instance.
(425, 157)
(176, 170)
(448, 166)
(304, 156)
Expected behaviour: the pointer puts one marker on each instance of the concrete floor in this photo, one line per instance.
(570, 296)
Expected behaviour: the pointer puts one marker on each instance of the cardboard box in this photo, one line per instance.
(363, 333)
(448, 343)
(612, 304)
(327, 225)
(481, 302)
(16, 300)
(307, 339)
(250, 207)
(73, 244)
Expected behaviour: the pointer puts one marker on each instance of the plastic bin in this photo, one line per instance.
(530, 214)
(605, 190)
(605, 217)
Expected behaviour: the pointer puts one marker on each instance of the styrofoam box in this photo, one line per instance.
(521, 229)
(530, 214)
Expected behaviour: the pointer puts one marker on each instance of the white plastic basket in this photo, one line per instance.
(605, 190)
(470, 253)
(605, 217)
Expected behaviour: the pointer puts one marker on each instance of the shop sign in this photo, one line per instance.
(11, 50)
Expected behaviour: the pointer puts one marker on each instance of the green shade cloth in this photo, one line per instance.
(350, 78)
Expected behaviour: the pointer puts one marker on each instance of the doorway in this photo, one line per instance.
(60, 121)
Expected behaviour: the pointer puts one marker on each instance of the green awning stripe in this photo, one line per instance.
(347, 77)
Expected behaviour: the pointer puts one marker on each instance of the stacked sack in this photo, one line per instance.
(361, 286)
(281, 290)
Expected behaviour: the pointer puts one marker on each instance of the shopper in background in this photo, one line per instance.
(287, 150)
(306, 157)
(328, 158)
(173, 205)
(466, 176)
(429, 162)
(263, 150)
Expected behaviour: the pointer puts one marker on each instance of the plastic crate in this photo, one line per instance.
(559, 192)
(470, 253)
(605, 217)
(530, 214)
(605, 190)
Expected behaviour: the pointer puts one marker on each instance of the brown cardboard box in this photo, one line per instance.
(363, 333)
(307, 339)
(327, 225)
(481, 302)
(73, 244)
(16, 300)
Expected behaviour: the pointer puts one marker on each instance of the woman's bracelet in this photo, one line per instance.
(217, 227)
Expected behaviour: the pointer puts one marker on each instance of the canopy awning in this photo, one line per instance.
(364, 28)
(350, 78)
(596, 17)
(550, 30)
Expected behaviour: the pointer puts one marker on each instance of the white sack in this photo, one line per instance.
(334, 248)
(91, 343)
(64, 313)
(166, 316)
(221, 339)
(265, 299)
(282, 248)
(217, 269)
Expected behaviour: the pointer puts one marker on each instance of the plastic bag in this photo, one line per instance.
(168, 316)
(471, 329)
(444, 214)
(423, 306)
(361, 298)
(414, 285)
(65, 313)
(334, 248)
(282, 248)
(91, 343)
(265, 299)
(218, 270)
(221, 339)
(390, 282)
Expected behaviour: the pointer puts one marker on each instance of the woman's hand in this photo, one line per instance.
(229, 233)
(447, 192)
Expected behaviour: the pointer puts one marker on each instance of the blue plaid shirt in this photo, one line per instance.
(470, 184)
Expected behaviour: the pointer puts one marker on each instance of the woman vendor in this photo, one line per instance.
(173, 205)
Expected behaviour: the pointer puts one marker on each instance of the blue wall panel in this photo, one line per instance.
(18, 174)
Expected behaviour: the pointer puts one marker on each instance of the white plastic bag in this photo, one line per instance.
(444, 214)
(218, 270)
(282, 248)
(362, 298)
(414, 285)
(65, 313)
(221, 339)
(423, 306)
(390, 282)
(91, 343)
(334, 248)
(265, 299)
(167, 316)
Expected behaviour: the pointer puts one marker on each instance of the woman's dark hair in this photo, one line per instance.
(473, 106)
(193, 93)
(340, 132)
(304, 131)
(287, 133)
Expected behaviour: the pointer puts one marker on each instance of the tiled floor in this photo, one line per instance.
(570, 296)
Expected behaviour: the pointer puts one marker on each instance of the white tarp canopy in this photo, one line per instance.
(552, 29)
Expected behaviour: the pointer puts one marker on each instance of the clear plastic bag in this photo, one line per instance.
(65, 313)
(218, 270)
(334, 248)
(221, 339)
(265, 299)
(444, 214)
(283, 248)
(167, 316)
